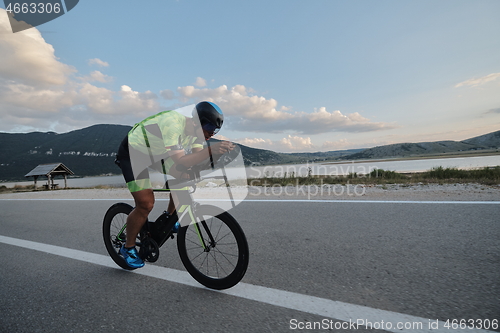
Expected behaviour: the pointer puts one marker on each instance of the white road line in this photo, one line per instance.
(368, 201)
(279, 200)
(350, 314)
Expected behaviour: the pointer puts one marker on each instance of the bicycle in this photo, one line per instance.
(211, 244)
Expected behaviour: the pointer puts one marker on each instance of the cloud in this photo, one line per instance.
(296, 143)
(335, 145)
(102, 101)
(97, 76)
(252, 142)
(167, 94)
(98, 62)
(34, 100)
(497, 110)
(289, 143)
(200, 82)
(27, 59)
(132, 102)
(38, 92)
(479, 81)
(256, 113)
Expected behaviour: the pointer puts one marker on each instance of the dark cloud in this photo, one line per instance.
(497, 110)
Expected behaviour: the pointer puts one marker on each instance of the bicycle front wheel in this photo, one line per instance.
(214, 250)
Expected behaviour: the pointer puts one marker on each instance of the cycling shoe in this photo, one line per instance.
(176, 227)
(131, 257)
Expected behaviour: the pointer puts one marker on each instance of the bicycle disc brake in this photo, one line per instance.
(149, 250)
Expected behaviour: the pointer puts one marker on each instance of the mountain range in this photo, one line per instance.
(90, 151)
(490, 141)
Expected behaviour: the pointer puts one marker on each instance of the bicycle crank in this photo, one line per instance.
(149, 250)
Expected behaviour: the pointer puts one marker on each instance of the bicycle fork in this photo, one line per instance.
(189, 210)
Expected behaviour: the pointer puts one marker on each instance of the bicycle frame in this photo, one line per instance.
(187, 207)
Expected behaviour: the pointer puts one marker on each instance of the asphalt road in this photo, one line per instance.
(432, 261)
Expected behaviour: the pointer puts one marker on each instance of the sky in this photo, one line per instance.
(290, 75)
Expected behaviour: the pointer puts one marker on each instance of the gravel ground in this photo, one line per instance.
(420, 192)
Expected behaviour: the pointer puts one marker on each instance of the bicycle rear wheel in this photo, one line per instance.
(214, 250)
(113, 231)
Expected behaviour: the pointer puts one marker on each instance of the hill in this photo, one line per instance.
(88, 151)
(483, 142)
(490, 140)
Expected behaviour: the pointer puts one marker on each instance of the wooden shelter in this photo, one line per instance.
(50, 171)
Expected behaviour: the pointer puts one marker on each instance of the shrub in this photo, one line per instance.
(387, 174)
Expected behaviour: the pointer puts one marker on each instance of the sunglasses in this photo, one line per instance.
(211, 128)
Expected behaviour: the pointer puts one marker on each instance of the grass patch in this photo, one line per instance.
(486, 176)
(103, 187)
(17, 188)
(388, 175)
(439, 175)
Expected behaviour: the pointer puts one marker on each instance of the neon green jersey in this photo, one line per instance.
(161, 133)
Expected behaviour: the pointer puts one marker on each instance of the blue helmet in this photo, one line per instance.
(209, 115)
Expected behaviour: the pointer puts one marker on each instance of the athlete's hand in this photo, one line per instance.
(222, 147)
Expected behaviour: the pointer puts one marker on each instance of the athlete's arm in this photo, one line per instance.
(199, 155)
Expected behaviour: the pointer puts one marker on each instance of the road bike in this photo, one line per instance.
(211, 244)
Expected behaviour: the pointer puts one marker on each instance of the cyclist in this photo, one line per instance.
(160, 142)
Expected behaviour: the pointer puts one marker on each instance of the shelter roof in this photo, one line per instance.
(50, 168)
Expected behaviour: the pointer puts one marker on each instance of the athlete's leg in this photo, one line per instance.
(144, 202)
(141, 190)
